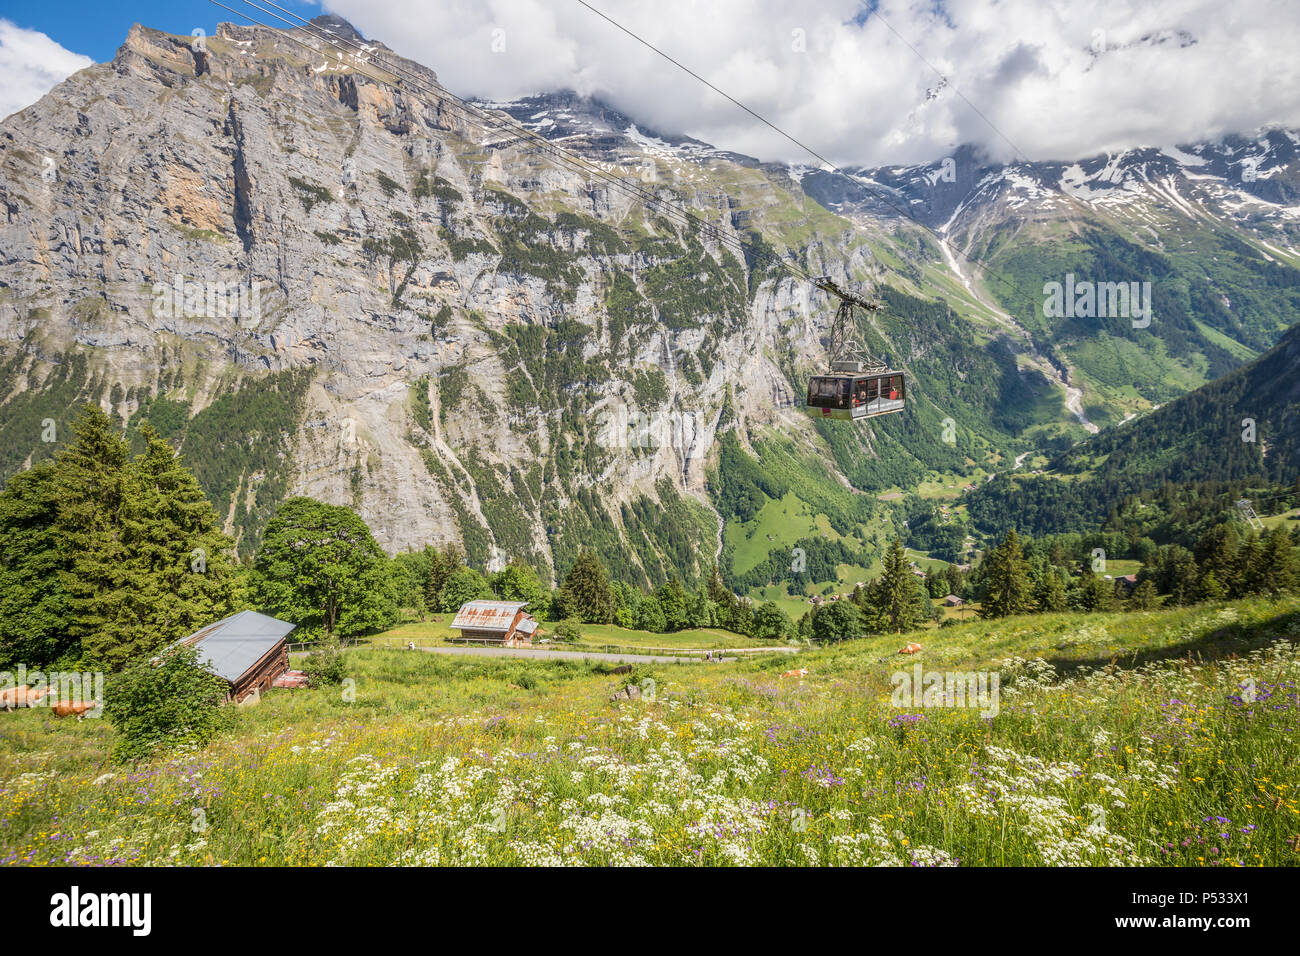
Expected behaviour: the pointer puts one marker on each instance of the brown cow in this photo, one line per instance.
(9, 699)
(78, 710)
(21, 696)
(910, 649)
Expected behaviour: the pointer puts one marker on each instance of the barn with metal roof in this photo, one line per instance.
(495, 622)
(247, 649)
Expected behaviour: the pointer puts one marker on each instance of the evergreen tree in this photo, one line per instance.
(175, 576)
(586, 594)
(894, 601)
(1050, 594)
(90, 483)
(1095, 592)
(955, 580)
(1144, 596)
(1274, 568)
(1007, 589)
(672, 598)
(33, 603)
(1210, 589)
(741, 617)
(725, 603)
(1218, 552)
(1173, 572)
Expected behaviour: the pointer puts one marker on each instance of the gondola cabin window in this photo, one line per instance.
(828, 392)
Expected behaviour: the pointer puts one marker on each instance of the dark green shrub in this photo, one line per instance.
(324, 665)
(568, 631)
(166, 702)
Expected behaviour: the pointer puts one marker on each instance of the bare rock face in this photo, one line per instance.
(333, 286)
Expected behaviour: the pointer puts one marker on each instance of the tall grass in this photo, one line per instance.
(1161, 738)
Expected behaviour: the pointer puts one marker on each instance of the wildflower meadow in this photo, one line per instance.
(1157, 738)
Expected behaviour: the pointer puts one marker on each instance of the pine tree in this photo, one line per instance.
(1274, 568)
(672, 598)
(441, 565)
(1144, 596)
(1050, 595)
(741, 620)
(175, 576)
(1095, 592)
(1174, 573)
(724, 602)
(1219, 552)
(90, 481)
(719, 593)
(954, 579)
(895, 601)
(585, 593)
(1007, 589)
(1209, 588)
(33, 603)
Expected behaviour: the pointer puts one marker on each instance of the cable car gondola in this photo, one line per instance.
(857, 386)
(851, 395)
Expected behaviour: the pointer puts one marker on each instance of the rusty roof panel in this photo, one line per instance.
(488, 615)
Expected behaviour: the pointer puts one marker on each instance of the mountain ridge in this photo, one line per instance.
(448, 321)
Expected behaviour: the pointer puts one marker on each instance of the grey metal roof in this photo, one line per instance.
(233, 645)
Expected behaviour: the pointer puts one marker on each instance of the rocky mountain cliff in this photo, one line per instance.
(317, 283)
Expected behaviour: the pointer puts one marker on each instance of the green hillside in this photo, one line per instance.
(1243, 427)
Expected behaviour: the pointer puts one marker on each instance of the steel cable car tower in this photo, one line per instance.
(857, 385)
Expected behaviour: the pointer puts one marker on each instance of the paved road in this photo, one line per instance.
(567, 655)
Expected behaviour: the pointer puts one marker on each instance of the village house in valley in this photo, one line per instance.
(495, 622)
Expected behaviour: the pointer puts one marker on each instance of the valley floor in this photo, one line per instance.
(1161, 737)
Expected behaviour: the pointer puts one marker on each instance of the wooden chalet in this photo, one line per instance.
(495, 622)
(247, 650)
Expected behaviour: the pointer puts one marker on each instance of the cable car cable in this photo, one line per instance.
(812, 152)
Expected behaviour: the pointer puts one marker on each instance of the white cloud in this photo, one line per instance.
(1058, 80)
(30, 65)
